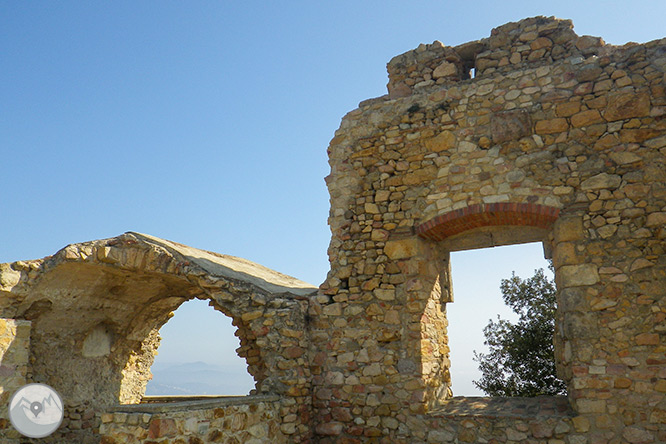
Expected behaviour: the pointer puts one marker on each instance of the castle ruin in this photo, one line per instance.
(532, 134)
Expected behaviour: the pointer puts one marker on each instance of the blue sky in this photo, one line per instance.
(207, 123)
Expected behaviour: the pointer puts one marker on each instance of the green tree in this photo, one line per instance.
(521, 360)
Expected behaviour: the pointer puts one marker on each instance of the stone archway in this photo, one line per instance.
(95, 309)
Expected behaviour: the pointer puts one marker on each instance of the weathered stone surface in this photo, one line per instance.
(160, 428)
(569, 229)
(552, 126)
(446, 69)
(638, 435)
(8, 277)
(656, 219)
(601, 181)
(443, 141)
(399, 90)
(588, 41)
(401, 249)
(625, 105)
(98, 342)
(623, 158)
(577, 275)
(586, 118)
(510, 125)
(329, 428)
(14, 360)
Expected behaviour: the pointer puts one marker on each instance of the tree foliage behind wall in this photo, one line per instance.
(521, 360)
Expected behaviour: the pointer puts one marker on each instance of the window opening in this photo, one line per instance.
(469, 67)
(476, 276)
(197, 355)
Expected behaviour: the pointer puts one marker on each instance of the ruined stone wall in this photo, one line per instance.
(552, 137)
(95, 310)
(532, 134)
(253, 420)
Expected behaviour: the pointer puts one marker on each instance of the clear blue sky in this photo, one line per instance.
(207, 123)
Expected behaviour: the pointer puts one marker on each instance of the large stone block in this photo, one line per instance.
(601, 181)
(402, 248)
(510, 125)
(625, 105)
(552, 126)
(569, 228)
(578, 275)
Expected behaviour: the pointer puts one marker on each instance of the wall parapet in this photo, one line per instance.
(165, 404)
(520, 420)
(250, 419)
(505, 407)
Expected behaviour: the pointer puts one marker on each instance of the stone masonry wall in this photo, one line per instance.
(553, 138)
(121, 291)
(253, 420)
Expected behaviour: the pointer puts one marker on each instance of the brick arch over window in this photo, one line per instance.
(487, 215)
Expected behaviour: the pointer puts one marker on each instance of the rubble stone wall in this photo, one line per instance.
(252, 420)
(532, 134)
(95, 310)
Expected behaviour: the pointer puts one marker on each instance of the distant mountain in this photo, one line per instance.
(198, 378)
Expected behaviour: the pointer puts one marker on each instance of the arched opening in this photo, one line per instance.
(197, 355)
(199, 332)
(94, 311)
(95, 321)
